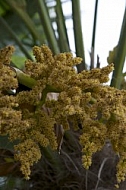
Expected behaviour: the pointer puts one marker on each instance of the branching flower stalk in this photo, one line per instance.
(81, 98)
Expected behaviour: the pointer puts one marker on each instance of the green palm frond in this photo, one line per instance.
(120, 56)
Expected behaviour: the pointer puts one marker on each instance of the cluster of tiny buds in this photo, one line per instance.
(30, 116)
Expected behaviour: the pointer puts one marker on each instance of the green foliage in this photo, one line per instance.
(120, 56)
(41, 27)
(37, 20)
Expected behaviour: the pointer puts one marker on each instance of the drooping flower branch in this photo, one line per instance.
(80, 98)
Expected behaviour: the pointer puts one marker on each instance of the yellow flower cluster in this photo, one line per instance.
(7, 75)
(82, 98)
(26, 153)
